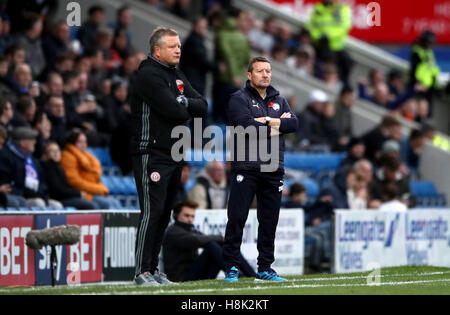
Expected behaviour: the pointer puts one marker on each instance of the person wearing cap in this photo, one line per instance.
(423, 66)
(311, 131)
(23, 172)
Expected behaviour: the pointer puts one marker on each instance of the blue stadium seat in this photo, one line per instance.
(423, 188)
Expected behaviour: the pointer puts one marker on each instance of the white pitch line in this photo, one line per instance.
(284, 287)
(128, 285)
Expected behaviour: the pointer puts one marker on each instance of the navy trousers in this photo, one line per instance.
(268, 189)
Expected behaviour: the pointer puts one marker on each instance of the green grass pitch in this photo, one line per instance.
(397, 280)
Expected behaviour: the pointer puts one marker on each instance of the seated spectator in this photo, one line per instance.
(54, 85)
(391, 200)
(423, 110)
(381, 95)
(409, 109)
(182, 194)
(395, 83)
(299, 63)
(63, 63)
(24, 173)
(15, 54)
(30, 40)
(311, 131)
(355, 152)
(331, 77)
(329, 125)
(6, 39)
(58, 186)
(390, 172)
(6, 91)
(180, 249)
(6, 114)
(104, 40)
(119, 47)
(25, 112)
(113, 107)
(410, 149)
(83, 171)
(353, 195)
(211, 190)
(21, 82)
(389, 128)
(297, 196)
(56, 113)
(43, 126)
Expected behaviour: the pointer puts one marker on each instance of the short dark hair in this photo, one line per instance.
(255, 60)
(295, 189)
(3, 105)
(390, 121)
(179, 206)
(95, 9)
(158, 34)
(72, 138)
(24, 103)
(390, 191)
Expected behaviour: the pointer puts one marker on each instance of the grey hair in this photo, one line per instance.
(156, 39)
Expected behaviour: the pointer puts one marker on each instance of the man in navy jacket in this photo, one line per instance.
(258, 107)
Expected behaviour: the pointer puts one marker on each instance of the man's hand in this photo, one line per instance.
(182, 100)
(286, 115)
(261, 120)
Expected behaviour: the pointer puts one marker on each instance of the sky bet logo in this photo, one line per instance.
(368, 231)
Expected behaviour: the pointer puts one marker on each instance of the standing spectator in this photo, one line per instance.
(84, 171)
(329, 25)
(344, 115)
(232, 54)
(31, 41)
(57, 41)
(211, 190)
(88, 31)
(180, 249)
(23, 172)
(58, 186)
(423, 66)
(43, 126)
(123, 20)
(195, 62)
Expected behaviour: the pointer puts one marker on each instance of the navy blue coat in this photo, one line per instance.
(244, 106)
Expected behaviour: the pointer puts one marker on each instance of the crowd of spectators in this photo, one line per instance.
(63, 91)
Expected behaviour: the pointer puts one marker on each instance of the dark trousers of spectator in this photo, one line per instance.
(210, 262)
(244, 186)
(221, 96)
(157, 183)
(79, 203)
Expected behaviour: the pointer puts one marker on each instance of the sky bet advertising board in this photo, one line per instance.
(366, 240)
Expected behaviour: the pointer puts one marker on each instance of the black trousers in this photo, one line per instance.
(210, 262)
(157, 182)
(244, 186)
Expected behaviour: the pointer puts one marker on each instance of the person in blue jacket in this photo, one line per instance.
(261, 107)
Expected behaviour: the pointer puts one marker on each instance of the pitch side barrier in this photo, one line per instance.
(367, 240)
(105, 251)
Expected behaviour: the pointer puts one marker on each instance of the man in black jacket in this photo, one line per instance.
(257, 107)
(180, 249)
(161, 99)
